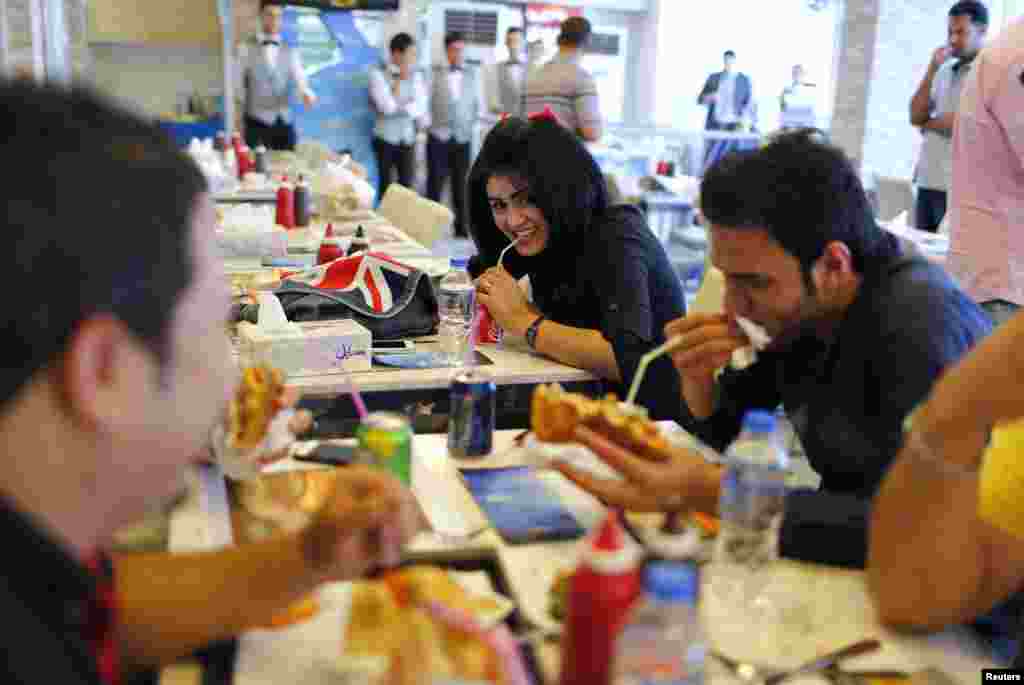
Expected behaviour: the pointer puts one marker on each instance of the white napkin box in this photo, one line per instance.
(307, 349)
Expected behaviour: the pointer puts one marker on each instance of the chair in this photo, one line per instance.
(895, 195)
(421, 219)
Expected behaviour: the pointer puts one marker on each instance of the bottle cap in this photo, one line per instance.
(671, 581)
(759, 421)
(329, 233)
(611, 551)
(360, 233)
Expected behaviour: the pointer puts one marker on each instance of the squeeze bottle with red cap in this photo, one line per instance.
(604, 587)
(330, 247)
(244, 161)
(285, 205)
(360, 243)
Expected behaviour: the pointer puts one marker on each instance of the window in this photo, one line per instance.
(769, 39)
(479, 28)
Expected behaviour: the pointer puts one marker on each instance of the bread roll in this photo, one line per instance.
(555, 415)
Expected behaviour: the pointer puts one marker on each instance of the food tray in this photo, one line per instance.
(218, 660)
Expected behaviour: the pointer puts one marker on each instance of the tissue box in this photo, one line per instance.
(308, 349)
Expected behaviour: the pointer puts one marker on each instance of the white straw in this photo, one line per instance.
(501, 258)
(645, 360)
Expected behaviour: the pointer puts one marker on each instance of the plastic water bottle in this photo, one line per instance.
(456, 304)
(662, 643)
(751, 506)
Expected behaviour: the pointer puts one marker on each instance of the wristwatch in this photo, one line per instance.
(531, 332)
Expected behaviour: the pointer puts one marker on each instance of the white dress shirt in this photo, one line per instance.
(725, 102)
(413, 100)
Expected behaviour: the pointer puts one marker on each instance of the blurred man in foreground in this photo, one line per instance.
(118, 368)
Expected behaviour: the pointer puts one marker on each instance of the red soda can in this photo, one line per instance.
(487, 329)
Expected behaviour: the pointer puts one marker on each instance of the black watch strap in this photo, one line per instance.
(531, 332)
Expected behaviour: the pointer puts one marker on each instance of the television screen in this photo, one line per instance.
(345, 4)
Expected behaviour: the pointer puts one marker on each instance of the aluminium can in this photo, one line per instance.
(471, 414)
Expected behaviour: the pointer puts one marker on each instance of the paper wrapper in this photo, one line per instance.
(245, 464)
(759, 340)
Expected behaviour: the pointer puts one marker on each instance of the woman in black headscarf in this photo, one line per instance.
(603, 288)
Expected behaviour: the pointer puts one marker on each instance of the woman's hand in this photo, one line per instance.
(505, 300)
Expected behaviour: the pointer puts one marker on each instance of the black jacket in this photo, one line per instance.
(743, 94)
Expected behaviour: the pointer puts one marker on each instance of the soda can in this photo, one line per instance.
(471, 414)
(487, 329)
(384, 440)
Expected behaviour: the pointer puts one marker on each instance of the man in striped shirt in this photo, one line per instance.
(566, 87)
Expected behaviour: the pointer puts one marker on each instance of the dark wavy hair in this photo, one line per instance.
(805, 192)
(565, 182)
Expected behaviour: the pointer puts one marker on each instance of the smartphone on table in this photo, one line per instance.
(393, 347)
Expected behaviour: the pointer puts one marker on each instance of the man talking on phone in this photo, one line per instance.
(399, 96)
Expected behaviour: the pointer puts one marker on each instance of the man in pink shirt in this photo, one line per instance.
(987, 217)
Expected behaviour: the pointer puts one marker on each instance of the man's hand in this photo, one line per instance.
(708, 341)
(300, 423)
(683, 482)
(505, 300)
(363, 526)
(309, 100)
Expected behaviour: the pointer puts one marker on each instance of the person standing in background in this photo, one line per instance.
(534, 57)
(399, 96)
(797, 102)
(454, 109)
(271, 72)
(728, 95)
(986, 245)
(510, 76)
(934, 106)
(565, 87)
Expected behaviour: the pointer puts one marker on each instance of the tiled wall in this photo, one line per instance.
(853, 82)
(908, 33)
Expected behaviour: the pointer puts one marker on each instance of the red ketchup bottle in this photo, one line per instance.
(601, 592)
(285, 205)
(244, 161)
(330, 247)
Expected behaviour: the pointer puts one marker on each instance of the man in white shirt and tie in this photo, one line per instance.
(399, 96)
(454, 109)
(271, 72)
(510, 76)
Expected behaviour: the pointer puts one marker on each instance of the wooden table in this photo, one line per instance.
(839, 610)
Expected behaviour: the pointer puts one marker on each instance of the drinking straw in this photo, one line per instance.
(641, 369)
